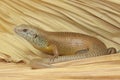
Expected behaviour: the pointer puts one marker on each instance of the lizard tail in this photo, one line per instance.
(70, 57)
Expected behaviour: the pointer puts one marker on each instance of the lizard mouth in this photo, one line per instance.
(19, 31)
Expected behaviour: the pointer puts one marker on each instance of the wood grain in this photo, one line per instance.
(104, 67)
(99, 18)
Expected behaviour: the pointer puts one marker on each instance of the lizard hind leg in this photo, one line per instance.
(111, 50)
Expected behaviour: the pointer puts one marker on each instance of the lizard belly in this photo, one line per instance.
(70, 49)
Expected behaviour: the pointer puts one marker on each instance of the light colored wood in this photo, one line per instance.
(89, 69)
(99, 18)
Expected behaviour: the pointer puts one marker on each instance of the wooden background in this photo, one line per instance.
(99, 18)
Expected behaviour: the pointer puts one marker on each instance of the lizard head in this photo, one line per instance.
(26, 31)
(32, 34)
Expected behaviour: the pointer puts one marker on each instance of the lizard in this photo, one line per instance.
(63, 46)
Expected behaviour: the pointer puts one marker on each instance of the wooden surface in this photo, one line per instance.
(99, 18)
(107, 67)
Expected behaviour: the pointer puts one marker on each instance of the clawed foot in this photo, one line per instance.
(52, 58)
(111, 50)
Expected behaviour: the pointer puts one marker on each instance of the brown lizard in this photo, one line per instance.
(64, 46)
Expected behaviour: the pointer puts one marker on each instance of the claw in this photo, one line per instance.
(52, 59)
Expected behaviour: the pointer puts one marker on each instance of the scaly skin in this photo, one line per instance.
(73, 45)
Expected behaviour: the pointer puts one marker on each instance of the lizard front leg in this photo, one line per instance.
(55, 53)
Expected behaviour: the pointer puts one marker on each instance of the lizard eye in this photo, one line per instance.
(24, 30)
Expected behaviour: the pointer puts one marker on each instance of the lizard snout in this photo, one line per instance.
(20, 28)
(17, 29)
